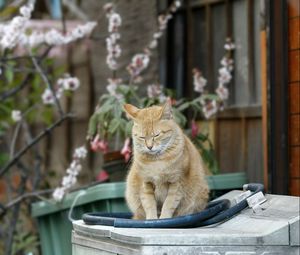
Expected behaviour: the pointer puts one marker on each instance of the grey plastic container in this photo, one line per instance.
(273, 230)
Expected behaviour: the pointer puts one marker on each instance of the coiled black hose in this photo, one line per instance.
(216, 211)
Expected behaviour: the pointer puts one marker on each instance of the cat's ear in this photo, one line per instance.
(166, 112)
(131, 111)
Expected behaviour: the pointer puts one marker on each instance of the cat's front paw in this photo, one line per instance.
(151, 217)
(165, 215)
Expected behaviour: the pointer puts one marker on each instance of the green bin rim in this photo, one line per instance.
(101, 191)
(227, 181)
(116, 190)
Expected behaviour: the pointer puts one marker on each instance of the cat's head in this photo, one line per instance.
(153, 128)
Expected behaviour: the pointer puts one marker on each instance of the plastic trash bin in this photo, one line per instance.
(53, 222)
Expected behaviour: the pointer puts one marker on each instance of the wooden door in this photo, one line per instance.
(196, 39)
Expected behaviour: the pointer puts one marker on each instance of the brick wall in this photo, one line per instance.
(294, 96)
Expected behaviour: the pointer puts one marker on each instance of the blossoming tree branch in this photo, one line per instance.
(25, 69)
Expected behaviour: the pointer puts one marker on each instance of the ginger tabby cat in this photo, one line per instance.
(167, 176)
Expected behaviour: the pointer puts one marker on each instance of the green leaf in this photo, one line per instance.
(118, 110)
(183, 106)
(4, 157)
(47, 115)
(210, 96)
(5, 109)
(92, 127)
(103, 98)
(202, 137)
(106, 107)
(196, 106)
(179, 117)
(114, 125)
(9, 75)
(128, 128)
(124, 89)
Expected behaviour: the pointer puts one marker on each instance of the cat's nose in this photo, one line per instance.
(149, 143)
(150, 147)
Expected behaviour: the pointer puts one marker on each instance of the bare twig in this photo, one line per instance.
(48, 83)
(14, 140)
(9, 93)
(18, 69)
(17, 130)
(36, 177)
(32, 143)
(14, 218)
(24, 196)
(15, 90)
(7, 59)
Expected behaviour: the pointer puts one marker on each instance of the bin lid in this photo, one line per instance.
(90, 194)
(276, 224)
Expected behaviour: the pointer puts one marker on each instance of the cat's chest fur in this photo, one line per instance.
(159, 173)
(160, 193)
(160, 176)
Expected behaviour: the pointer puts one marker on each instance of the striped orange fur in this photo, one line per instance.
(167, 176)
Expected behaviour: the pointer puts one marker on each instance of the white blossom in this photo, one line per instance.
(114, 22)
(69, 83)
(108, 7)
(227, 62)
(222, 92)
(162, 98)
(11, 31)
(224, 75)
(175, 5)
(48, 97)
(74, 169)
(80, 152)
(33, 40)
(113, 48)
(153, 44)
(111, 62)
(199, 81)
(112, 88)
(163, 20)
(141, 61)
(229, 46)
(112, 39)
(58, 194)
(210, 108)
(138, 63)
(154, 90)
(157, 35)
(14, 33)
(26, 10)
(70, 179)
(16, 115)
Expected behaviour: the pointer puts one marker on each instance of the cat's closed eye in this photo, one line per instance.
(156, 135)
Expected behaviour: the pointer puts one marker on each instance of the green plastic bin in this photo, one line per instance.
(55, 228)
(52, 219)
